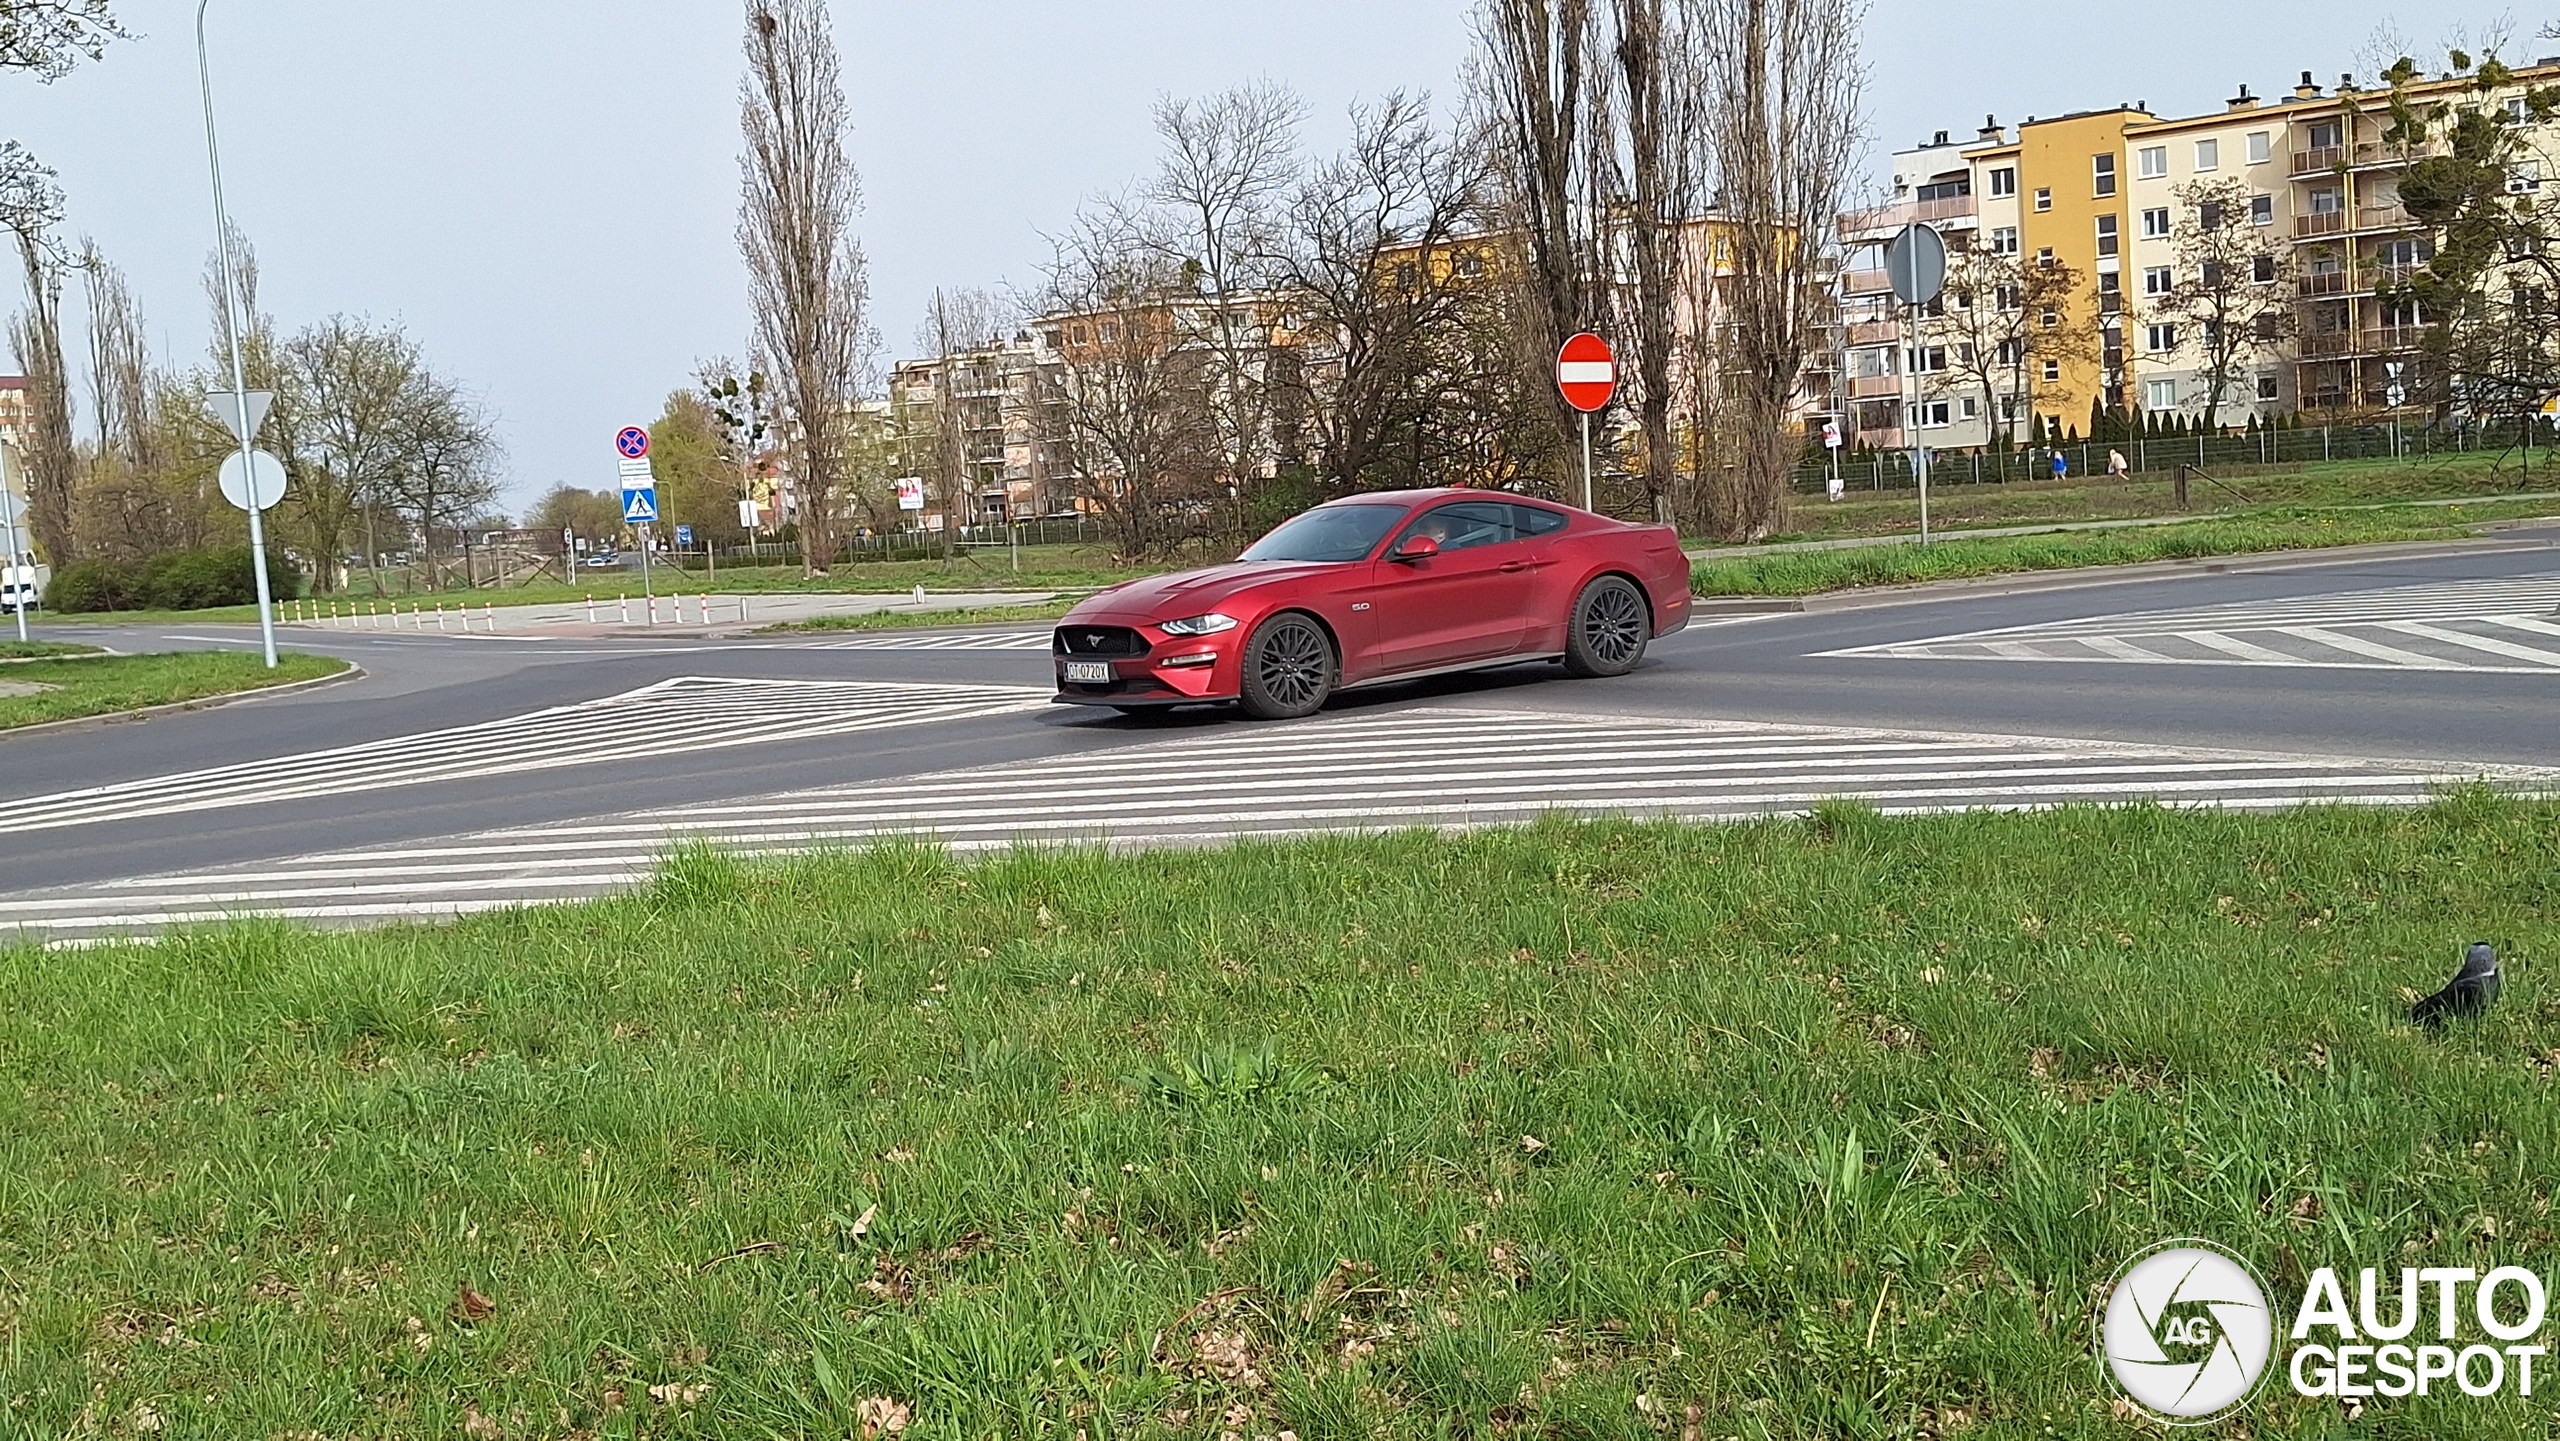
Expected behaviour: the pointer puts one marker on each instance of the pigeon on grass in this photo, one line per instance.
(2467, 994)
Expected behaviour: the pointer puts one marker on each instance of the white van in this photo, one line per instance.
(22, 583)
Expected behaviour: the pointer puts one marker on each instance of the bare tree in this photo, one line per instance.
(1536, 80)
(450, 472)
(805, 269)
(1132, 397)
(1784, 85)
(1656, 163)
(1228, 167)
(2231, 297)
(1999, 316)
(1386, 258)
(958, 327)
(35, 337)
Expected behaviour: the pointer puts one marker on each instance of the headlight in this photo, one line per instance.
(1199, 625)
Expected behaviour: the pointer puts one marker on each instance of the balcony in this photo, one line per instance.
(1956, 212)
(2323, 282)
(1873, 332)
(2372, 153)
(2372, 340)
(2319, 161)
(2362, 279)
(2384, 217)
(1875, 387)
(1864, 282)
(2319, 222)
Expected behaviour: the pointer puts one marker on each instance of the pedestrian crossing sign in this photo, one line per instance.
(640, 507)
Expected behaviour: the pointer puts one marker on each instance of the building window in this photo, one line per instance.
(2004, 240)
(1110, 332)
(2524, 177)
(1947, 189)
(2328, 200)
(2155, 224)
(2051, 317)
(1929, 359)
(2264, 327)
(2209, 217)
(1933, 415)
(2102, 172)
(2262, 210)
(1972, 408)
(2208, 155)
(2156, 280)
(1470, 264)
(2052, 371)
(2160, 395)
(2160, 339)
(2262, 269)
(2150, 162)
(2011, 352)
(2004, 181)
(2268, 389)
(2261, 148)
(2044, 257)
(2106, 235)
(2008, 298)
(2044, 199)
(2518, 111)
(2326, 135)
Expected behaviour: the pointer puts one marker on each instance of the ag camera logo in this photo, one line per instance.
(2187, 1332)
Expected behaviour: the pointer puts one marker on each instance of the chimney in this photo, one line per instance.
(1941, 140)
(1991, 130)
(2244, 100)
(2306, 90)
(2346, 83)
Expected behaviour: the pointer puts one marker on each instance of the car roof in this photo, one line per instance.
(1420, 497)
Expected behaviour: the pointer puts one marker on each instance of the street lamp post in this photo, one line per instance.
(234, 323)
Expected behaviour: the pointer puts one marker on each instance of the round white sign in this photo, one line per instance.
(270, 476)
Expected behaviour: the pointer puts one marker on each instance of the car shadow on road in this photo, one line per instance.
(1526, 675)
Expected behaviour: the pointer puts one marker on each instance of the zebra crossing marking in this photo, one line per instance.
(1450, 769)
(681, 715)
(1012, 640)
(2459, 626)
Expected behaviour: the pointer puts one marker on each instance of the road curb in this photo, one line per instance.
(2022, 581)
(353, 672)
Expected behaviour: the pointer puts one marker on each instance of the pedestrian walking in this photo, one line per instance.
(2061, 464)
(2116, 468)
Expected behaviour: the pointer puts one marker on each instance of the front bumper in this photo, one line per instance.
(1177, 670)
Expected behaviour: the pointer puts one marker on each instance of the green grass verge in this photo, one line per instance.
(1811, 572)
(42, 649)
(1826, 1128)
(909, 619)
(112, 684)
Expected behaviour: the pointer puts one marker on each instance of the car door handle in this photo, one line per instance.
(1514, 567)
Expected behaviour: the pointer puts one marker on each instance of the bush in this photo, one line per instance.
(175, 580)
(91, 585)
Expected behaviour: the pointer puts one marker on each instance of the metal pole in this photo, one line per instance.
(1911, 418)
(1586, 460)
(647, 538)
(9, 519)
(234, 322)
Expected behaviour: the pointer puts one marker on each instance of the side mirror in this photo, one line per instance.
(1417, 547)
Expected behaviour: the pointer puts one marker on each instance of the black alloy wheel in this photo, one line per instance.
(1289, 668)
(1611, 624)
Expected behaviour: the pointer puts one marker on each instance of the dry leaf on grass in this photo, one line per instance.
(479, 1427)
(880, 1416)
(470, 1307)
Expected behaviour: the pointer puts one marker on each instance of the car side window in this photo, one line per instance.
(1466, 525)
(1537, 519)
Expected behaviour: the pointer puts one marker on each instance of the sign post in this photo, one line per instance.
(19, 581)
(242, 419)
(1831, 444)
(639, 501)
(1915, 264)
(1587, 374)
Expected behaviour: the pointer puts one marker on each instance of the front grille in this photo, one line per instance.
(1099, 640)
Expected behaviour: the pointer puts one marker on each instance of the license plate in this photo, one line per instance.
(1089, 672)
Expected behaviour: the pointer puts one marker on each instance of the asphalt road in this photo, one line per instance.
(2460, 702)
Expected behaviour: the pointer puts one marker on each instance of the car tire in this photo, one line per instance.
(1290, 668)
(1609, 628)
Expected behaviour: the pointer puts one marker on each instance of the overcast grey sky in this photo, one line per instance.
(543, 191)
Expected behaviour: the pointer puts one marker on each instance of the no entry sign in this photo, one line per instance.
(1587, 373)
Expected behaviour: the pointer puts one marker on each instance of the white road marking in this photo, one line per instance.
(2452, 624)
(1449, 769)
(670, 717)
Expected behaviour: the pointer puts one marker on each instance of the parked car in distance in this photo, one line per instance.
(1376, 588)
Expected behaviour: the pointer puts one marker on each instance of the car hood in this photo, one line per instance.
(1195, 592)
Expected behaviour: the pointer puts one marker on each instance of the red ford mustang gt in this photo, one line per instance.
(1375, 588)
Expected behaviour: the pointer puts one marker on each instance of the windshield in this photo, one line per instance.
(1331, 532)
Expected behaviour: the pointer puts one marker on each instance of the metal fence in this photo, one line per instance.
(1891, 469)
